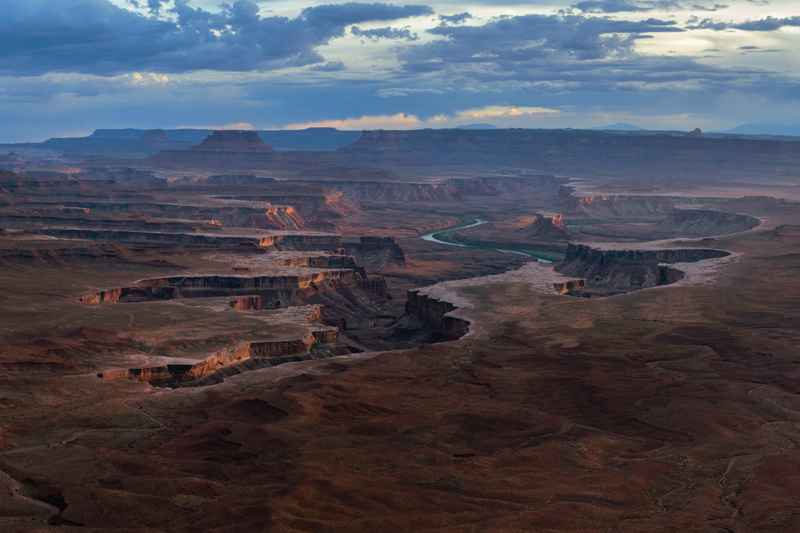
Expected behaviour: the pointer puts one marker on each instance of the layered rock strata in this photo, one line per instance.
(615, 271)
(376, 253)
(210, 370)
(305, 241)
(433, 314)
(244, 216)
(273, 291)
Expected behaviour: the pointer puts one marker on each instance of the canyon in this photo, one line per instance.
(325, 330)
(608, 272)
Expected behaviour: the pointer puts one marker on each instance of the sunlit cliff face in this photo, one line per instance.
(267, 242)
(284, 217)
(589, 200)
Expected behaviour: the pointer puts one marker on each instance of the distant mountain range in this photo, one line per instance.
(477, 126)
(766, 128)
(620, 126)
(138, 143)
(756, 129)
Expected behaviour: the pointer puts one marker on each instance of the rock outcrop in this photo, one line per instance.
(318, 209)
(272, 291)
(376, 253)
(243, 216)
(567, 287)
(273, 242)
(233, 141)
(609, 272)
(223, 149)
(643, 218)
(448, 190)
(705, 222)
(284, 217)
(433, 314)
(619, 206)
(214, 368)
(535, 231)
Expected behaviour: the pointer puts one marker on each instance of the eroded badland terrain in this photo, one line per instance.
(506, 330)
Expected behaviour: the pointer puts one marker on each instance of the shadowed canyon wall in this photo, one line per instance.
(616, 271)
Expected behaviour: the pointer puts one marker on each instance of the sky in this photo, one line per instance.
(68, 67)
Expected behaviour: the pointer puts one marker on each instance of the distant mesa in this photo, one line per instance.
(155, 138)
(766, 128)
(477, 126)
(233, 141)
(620, 126)
(222, 149)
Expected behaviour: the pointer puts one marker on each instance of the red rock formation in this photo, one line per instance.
(173, 375)
(252, 293)
(284, 217)
(247, 303)
(566, 287)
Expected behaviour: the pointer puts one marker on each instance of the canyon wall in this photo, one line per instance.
(618, 206)
(617, 271)
(432, 314)
(282, 217)
(212, 368)
(376, 253)
(272, 291)
(705, 222)
(448, 190)
(307, 241)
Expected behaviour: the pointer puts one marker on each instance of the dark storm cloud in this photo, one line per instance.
(336, 15)
(531, 37)
(577, 54)
(385, 33)
(714, 7)
(458, 18)
(97, 37)
(765, 24)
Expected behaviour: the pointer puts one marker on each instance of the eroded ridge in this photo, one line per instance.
(274, 290)
(608, 272)
(318, 343)
(272, 241)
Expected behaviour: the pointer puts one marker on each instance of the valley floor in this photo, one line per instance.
(671, 408)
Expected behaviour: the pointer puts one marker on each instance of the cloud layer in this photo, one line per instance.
(72, 64)
(98, 37)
